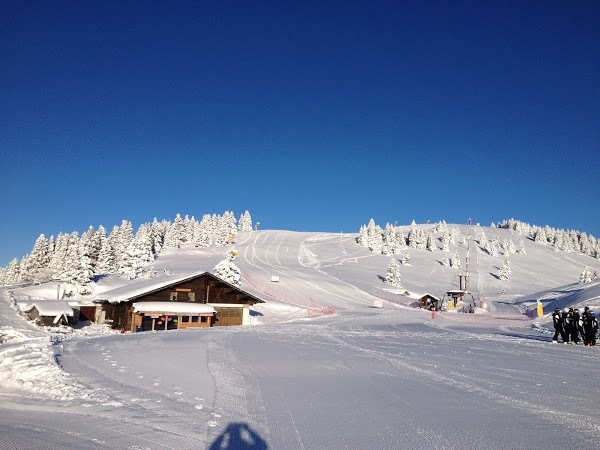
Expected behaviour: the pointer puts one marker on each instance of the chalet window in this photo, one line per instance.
(192, 296)
(194, 319)
(173, 296)
(203, 319)
(185, 319)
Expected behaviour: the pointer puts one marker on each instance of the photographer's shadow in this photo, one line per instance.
(238, 436)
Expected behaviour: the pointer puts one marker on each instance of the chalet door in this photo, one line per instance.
(147, 323)
(137, 322)
(87, 313)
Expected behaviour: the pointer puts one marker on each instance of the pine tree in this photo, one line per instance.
(455, 260)
(406, 258)
(374, 237)
(431, 243)
(505, 270)
(106, 258)
(174, 234)
(483, 240)
(228, 271)
(12, 274)
(58, 259)
(245, 222)
(586, 275)
(38, 263)
(393, 277)
(446, 242)
(521, 248)
(144, 243)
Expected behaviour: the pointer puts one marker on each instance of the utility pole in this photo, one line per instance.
(469, 224)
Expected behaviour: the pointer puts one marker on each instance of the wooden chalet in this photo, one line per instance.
(167, 303)
(429, 301)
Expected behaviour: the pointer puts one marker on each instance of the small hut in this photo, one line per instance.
(50, 313)
(429, 302)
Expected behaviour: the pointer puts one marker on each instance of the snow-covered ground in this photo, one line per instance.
(363, 377)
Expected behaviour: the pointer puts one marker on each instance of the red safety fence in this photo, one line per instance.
(314, 309)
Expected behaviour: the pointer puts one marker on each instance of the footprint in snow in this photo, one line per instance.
(199, 406)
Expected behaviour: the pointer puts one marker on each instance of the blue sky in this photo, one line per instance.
(315, 117)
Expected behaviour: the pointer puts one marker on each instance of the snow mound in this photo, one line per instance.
(30, 367)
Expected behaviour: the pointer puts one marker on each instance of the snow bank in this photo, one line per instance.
(29, 366)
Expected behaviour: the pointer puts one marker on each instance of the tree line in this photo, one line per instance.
(76, 260)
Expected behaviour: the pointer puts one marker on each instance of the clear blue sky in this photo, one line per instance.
(314, 117)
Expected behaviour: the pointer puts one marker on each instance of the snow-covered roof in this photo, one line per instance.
(51, 308)
(427, 294)
(140, 287)
(137, 288)
(173, 307)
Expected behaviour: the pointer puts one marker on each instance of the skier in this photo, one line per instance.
(559, 327)
(576, 326)
(567, 324)
(590, 327)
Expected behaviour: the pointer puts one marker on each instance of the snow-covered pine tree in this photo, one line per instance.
(431, 243)
(187, 232)
(106, 258)
(12, 274)
(131, 264)
(245, 222)
(483, 239)
(406, 258)
(540, 236)
(393, 277)
(39, 260)
(505, 270)
(399, 239)
(363, 237)
(445, 260)
(374, 237)
(228, 271)
(159, 229)
(446, 242)
(521, 248)
(586, 275)
(494, 244)
(174, 234)
(387, 245)
(59, 256)
(413, 236)
(144, 243)
(455, 260)
(23, 274)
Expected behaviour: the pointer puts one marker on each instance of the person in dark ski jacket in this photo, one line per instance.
(559, 326)
(567, 319)
(576, 325)
(590, 327)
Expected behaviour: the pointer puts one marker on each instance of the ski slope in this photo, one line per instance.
(363, 377)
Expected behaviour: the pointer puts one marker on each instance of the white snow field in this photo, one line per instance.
(360, 378)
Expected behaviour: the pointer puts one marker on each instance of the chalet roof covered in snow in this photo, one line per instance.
(139, 287)
(50, 308)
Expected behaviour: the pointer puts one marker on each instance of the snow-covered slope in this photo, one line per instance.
(361, 378)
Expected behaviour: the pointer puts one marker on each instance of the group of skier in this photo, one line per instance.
(570, 325)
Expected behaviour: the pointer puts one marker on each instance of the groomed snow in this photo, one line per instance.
(364, 377)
